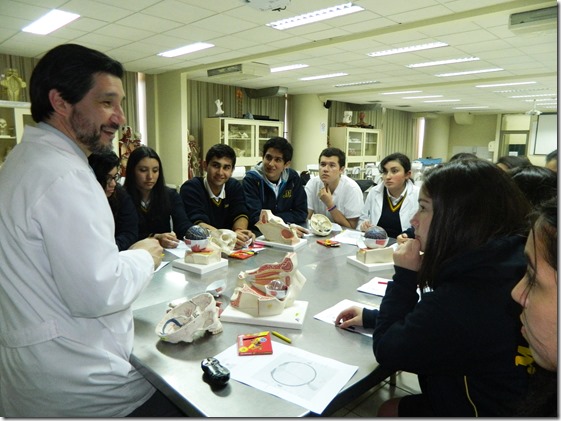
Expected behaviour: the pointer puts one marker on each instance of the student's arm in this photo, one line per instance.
(252, 192)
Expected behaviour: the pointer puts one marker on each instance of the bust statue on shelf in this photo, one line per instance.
(219, 110)
(13, 84)
(3, 127)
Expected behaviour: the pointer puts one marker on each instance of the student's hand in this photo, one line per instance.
(408, 255)
(349, 317)
(152, 246)
(326, 196)
(300, 231)
(244, 238)
(365, 225)
(402, 238)
(168, 240)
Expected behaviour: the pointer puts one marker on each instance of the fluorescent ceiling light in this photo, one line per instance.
(443, 100)
(318, 15)
(533, 96)
(408, 49)
(191, 48)
(472, 107)
(496, 85)
(422, 96)
(289, 67)
(401, 92)
(470, 72)
(366, 82)
(441, 62)
(323, 76)
(50, 22)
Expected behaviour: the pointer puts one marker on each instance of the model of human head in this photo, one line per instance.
(224, 239)
(187, 320)
(274, 229)
(269, 289)
(320, 225)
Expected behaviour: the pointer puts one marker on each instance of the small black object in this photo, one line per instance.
(216, 373)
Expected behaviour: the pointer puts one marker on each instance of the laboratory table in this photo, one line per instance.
(175, 369)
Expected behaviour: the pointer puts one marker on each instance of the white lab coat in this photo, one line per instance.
(347, 196)
(373, 205)
(66, 327)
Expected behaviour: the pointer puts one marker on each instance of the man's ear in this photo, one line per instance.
(58, 103)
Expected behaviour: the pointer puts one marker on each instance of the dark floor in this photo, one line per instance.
(367, 404)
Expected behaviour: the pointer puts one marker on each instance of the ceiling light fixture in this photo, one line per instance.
(442, 62)
(533, 96)
(443, 100)
(50, 22)
(191, 48)
(318, 15)
(470, 72)
(496, 85)
(423, 97)
(408, 49)
(478, 107)
(289, 67)
(366, 82)
(400, 92)
(324, 76)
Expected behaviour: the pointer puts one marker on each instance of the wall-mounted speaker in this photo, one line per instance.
(327, 104)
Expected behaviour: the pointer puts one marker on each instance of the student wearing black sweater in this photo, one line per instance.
(463, 336)
(217, 201)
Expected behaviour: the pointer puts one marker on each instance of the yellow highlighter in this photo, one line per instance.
(284, 338)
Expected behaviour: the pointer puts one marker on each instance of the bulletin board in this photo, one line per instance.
(546, 134)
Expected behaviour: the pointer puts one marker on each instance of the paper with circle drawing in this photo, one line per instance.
(298, 376)
(329, 315)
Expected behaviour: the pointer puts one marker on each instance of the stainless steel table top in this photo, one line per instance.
(175, 368)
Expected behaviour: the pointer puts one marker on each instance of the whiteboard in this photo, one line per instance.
(546, 134)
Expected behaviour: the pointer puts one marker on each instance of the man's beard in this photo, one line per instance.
(87, 135)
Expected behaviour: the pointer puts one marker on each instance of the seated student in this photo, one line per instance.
(551, 161)
(217, 201)
(462, 337)
(272, 185)
(333, 194)
(106, 167)
(155, 203)
(508, 162)
(537, 293)
(391, 204)
(537, 183)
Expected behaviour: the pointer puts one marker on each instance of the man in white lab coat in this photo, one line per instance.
(66, 326)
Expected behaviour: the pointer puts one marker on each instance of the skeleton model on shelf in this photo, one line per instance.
(13, 84)
(3, 127)
(219, 110)
(269, 289)
(192, 318)
(128, 143)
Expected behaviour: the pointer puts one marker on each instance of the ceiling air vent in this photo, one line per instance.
(539, 20)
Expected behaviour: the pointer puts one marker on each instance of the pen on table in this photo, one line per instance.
(284, 338)
(383, 282)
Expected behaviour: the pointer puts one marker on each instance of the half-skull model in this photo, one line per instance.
(274, 229)
(184, 322)
(225, 239)
(320, 225)
(269, 289)
(3, 127)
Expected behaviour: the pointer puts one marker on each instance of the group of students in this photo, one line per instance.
(146, 207)
(67, 282)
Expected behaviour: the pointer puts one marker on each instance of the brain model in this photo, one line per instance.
(375, 237)
(196, 238)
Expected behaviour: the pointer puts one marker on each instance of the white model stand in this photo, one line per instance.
(291, 317)
(370, 267)
(281, 246)
(199, 269)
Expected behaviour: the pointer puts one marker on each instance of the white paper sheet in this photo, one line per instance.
(298, 376)
(376, 286)
(349, 237)
(329, 315)
(180, 250)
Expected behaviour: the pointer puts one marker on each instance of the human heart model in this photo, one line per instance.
(269, 289)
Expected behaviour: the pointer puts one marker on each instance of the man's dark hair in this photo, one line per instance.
(220, 150)
(329, 152)
(281, 144)
(550, 156)
(70, 69)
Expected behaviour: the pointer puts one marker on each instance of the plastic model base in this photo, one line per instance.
(371, 267)
(200, 269)
(291, 317)
(290, 247)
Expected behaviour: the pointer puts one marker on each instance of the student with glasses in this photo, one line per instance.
(106, 166)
